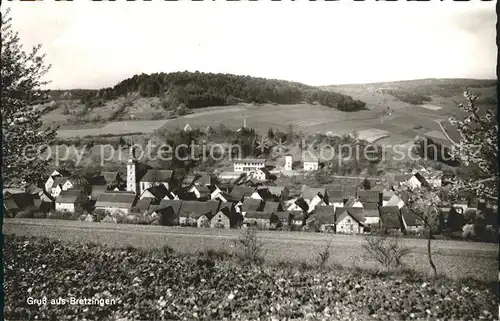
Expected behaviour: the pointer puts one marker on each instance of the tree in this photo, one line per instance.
(478, 146)
(424, 202)
(366, 184)
(23, 139)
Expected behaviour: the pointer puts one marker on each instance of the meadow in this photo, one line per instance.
(454, 259)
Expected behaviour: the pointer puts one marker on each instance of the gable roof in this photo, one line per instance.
(119, 199)
(238, 192)
(300, 202)
(257, 215)
(369, 196)
(335, 195)
(205, 179)
(18, 200)
(69, 196)
(324, 214)
(371, 209)
(309, 193)
(188, 180)
(387, 194)
(277, 190)
(251, 204)
(159, 192)
(60, 180)
(273, 207)
(356, 213)
(401, 178)
(143, 204)
(157, 175)
(109, 177)
(194, 209)
(165, 204)
(389, 215)
(411, 219)
(351, 200)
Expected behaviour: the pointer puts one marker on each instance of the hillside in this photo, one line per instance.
(422, 91)
(198, 90)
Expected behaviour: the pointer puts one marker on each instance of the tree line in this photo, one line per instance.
(198, 90)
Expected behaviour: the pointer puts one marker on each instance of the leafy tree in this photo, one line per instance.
(22, 74)
(478, 146)
(424, 202)
(366, 184)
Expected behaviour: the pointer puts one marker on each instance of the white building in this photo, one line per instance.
(310, 162)
(288, 163)
(248, 164)
(70, 201)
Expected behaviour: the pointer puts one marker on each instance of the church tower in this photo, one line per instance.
(131, 172)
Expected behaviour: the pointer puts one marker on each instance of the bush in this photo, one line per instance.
(468, 232)
(388, 251)
(324, 256)
(62, 215)
(251, 249)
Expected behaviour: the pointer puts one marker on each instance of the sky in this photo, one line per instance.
(98, 44)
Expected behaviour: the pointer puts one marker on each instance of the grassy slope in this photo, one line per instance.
(453, 259)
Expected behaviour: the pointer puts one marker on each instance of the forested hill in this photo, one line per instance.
(198, 90)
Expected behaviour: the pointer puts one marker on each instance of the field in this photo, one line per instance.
(387, 120)
(453, 258)
(114, 128)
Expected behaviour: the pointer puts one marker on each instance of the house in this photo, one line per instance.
(191, 211)
(188, 180)
(273, 207)
(60, 184)
(142, 205)
(324, 217)
(168, 211)
(197, 192)
(248, 164)
(226, 218)
(241, 192)
(260, 219)
(390, 218)
(349, 220)
(252, 205)
(49, 183)
(278, 192)
(370, 196)
(155, 177)
(280, 219)
(395, 200)
(158, 193)
(205, 179)
(261, 174)
(410, 221)
(372, 214)
(70, 201)
(310, 162)
(415, 180)
(314, 196)
(353, 202)
(16, 201)
(288, 162)
(335, 198)
(122, 201)
(109, 179)
(386, 196)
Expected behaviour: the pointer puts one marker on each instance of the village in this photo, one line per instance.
(244, 197)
